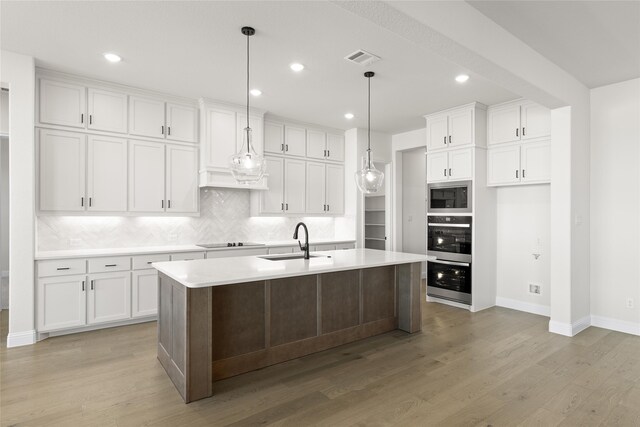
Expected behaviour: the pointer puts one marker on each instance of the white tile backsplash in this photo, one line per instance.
(224, 216)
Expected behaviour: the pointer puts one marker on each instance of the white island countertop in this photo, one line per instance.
(225, 271)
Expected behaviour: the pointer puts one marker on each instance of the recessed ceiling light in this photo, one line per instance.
(462, 78)
(256, 92)
(349, 116)
(112, 57)
(297, 67)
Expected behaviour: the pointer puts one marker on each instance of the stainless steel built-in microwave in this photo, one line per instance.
(449, 197)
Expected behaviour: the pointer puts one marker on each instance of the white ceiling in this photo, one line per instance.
(195, 49)
(598, 42)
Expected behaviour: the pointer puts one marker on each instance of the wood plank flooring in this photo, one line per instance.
(497, 367)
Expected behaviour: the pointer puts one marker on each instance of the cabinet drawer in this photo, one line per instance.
(282, 250)
(323, 247)
(236, 252)
(342, 246)
(187, 256)
(142, 262)
(62, 267)
(105, 265)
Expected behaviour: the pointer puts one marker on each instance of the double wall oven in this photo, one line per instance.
(449, 240)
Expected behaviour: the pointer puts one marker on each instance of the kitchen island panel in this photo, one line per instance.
(293, 309)
(340, 300)
(378, 293)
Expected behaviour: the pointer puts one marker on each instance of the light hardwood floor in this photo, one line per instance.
(497, 367)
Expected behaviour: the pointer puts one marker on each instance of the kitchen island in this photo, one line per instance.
(222, 317)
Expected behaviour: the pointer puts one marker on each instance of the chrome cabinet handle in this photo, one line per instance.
(438, 224)
(462, 264)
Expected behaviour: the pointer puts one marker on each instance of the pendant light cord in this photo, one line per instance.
(369, 125)
(246, 130)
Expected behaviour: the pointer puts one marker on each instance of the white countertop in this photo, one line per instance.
(226, 271)
(145, 250)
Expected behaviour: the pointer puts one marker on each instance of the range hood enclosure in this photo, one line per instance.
(221, 132)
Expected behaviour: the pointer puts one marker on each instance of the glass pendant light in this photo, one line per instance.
(369, 179)
(247, 166)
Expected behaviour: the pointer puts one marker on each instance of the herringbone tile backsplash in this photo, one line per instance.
(224, 216)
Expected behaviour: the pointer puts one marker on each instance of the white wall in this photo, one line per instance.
(18, 73)
(615, 205)
(413, 201)
(523, 228)
(4, 186)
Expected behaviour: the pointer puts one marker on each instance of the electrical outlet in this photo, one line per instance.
(630, 303)
(535, 289)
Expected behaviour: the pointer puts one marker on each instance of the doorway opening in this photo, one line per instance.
(4, 199)
(377, 213)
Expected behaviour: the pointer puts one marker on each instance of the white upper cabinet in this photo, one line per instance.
(518, 121)
(146, 117)
(316, 144)
(295, 141)
(294, 186)
(107, 110)
(536, 162)
(335, 147)
(335, 189)
(182, 122)
(437, 132)
(146, 177)
(182, 179)
(107, 174)
(61, 170)
(62, 103)
(503, 165)
(273, 137)
(456, 127)
(316, 188)
(272, 200)
(452, 165)
(256, 123)
(535, 120)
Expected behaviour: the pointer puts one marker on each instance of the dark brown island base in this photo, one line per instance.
(207, 333)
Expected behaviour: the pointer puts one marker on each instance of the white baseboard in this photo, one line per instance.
(570, 329)
(5, 273)
(18, 339)
(539, 309)
(615, 324)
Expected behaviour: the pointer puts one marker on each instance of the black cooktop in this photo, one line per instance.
(228, 245)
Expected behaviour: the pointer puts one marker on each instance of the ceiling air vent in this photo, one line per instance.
(362, 57)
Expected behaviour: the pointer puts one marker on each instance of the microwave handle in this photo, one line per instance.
(437, 224)
(461, 264)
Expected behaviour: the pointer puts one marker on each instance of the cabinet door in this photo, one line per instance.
(504, 124)
(220, 137)
(536, 121)
(272, 200)
(146, 176)
(182, 123)
(294, 186)
(62, 104)
(109, 297)
(335, 189)
(182, 179)
(107, 110)
(257, 132)
(437, 132)
(62, 171)
(295, 141)
(503, 165)
(335, 147)
(61, 302)
(461, 128)
(536, 162)
(437, 167)
(107, 174)
(460, 164)
(316, 188)
(316, 144)
(144, 293)
(273, 137)
(146, 117)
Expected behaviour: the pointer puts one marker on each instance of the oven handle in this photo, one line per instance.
(436, 224)
(461, 264)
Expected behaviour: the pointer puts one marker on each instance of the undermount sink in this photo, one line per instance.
(286, 257)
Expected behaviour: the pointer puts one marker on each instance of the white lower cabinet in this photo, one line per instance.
(109, 297)
(144, 293)
(61, 302)
(528, 163)
(453, 165)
